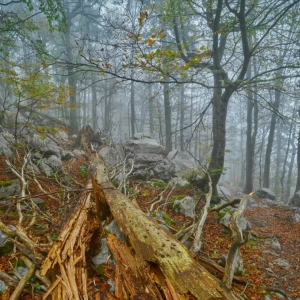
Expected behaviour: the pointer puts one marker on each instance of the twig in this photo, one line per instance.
(222, 206)
(17, 292)
(44, 279)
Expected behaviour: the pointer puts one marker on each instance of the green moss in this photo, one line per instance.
(252, 244)
(167, 219)
(5, 183)
(178, 197)
(159, 184)
(223, 212)
(100, 269)
(6, 248)
(145, 193)
(176, 207)
(19, 263)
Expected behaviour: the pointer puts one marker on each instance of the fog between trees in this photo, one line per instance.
(215, 78)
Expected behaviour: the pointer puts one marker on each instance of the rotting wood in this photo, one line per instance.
(154, 244)
(66, 258)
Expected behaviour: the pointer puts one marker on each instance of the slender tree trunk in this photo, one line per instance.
(278, 161)
(298, 161)
(106, 108)
(289, 177)
(182, 109)
(242, 166)
(167, 106)
(266, 177)
(132, 108)
(161, 136)
(94, 107)
(151, 110)
(72, 81)
(72, 96)
(285, 162)
(84, 107)
(249, 146)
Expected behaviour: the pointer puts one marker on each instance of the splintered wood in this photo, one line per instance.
(66, 261)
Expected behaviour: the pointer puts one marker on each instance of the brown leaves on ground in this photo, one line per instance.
(261, 273)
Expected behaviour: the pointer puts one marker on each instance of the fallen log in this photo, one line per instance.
(153, 245)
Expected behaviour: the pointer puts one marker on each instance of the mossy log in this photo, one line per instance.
(153, 244)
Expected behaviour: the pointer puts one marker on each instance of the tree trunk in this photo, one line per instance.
(289, 177)
(73, 103)
(94, 108)
(167, 106)
(266, 177)
(285, 162)
(151, 110)
(220, 105)
(298, 161)
(278, 161)
(181, 138)
(132, 108)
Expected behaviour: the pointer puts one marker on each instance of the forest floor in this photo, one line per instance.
(262, 276)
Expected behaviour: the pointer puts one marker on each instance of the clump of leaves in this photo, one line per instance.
(18, 263)
(54, 237)
(83, 171)
(215, 254)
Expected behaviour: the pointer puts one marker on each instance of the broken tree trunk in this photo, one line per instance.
(153, 244)
(66, 259)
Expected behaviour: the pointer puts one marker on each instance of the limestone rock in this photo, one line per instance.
(265, 193)
(6, 143)
(10, 188)
(181, 160)
(185, 206)
(244, 223)
(149, 156)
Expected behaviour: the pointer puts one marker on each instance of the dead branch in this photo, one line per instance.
(238, 241)
(17, 292)
(8, 280)
(196, 247)
(222, 206)
(21, 176)
(44, 279)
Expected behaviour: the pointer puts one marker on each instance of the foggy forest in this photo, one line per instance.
(182, 116)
